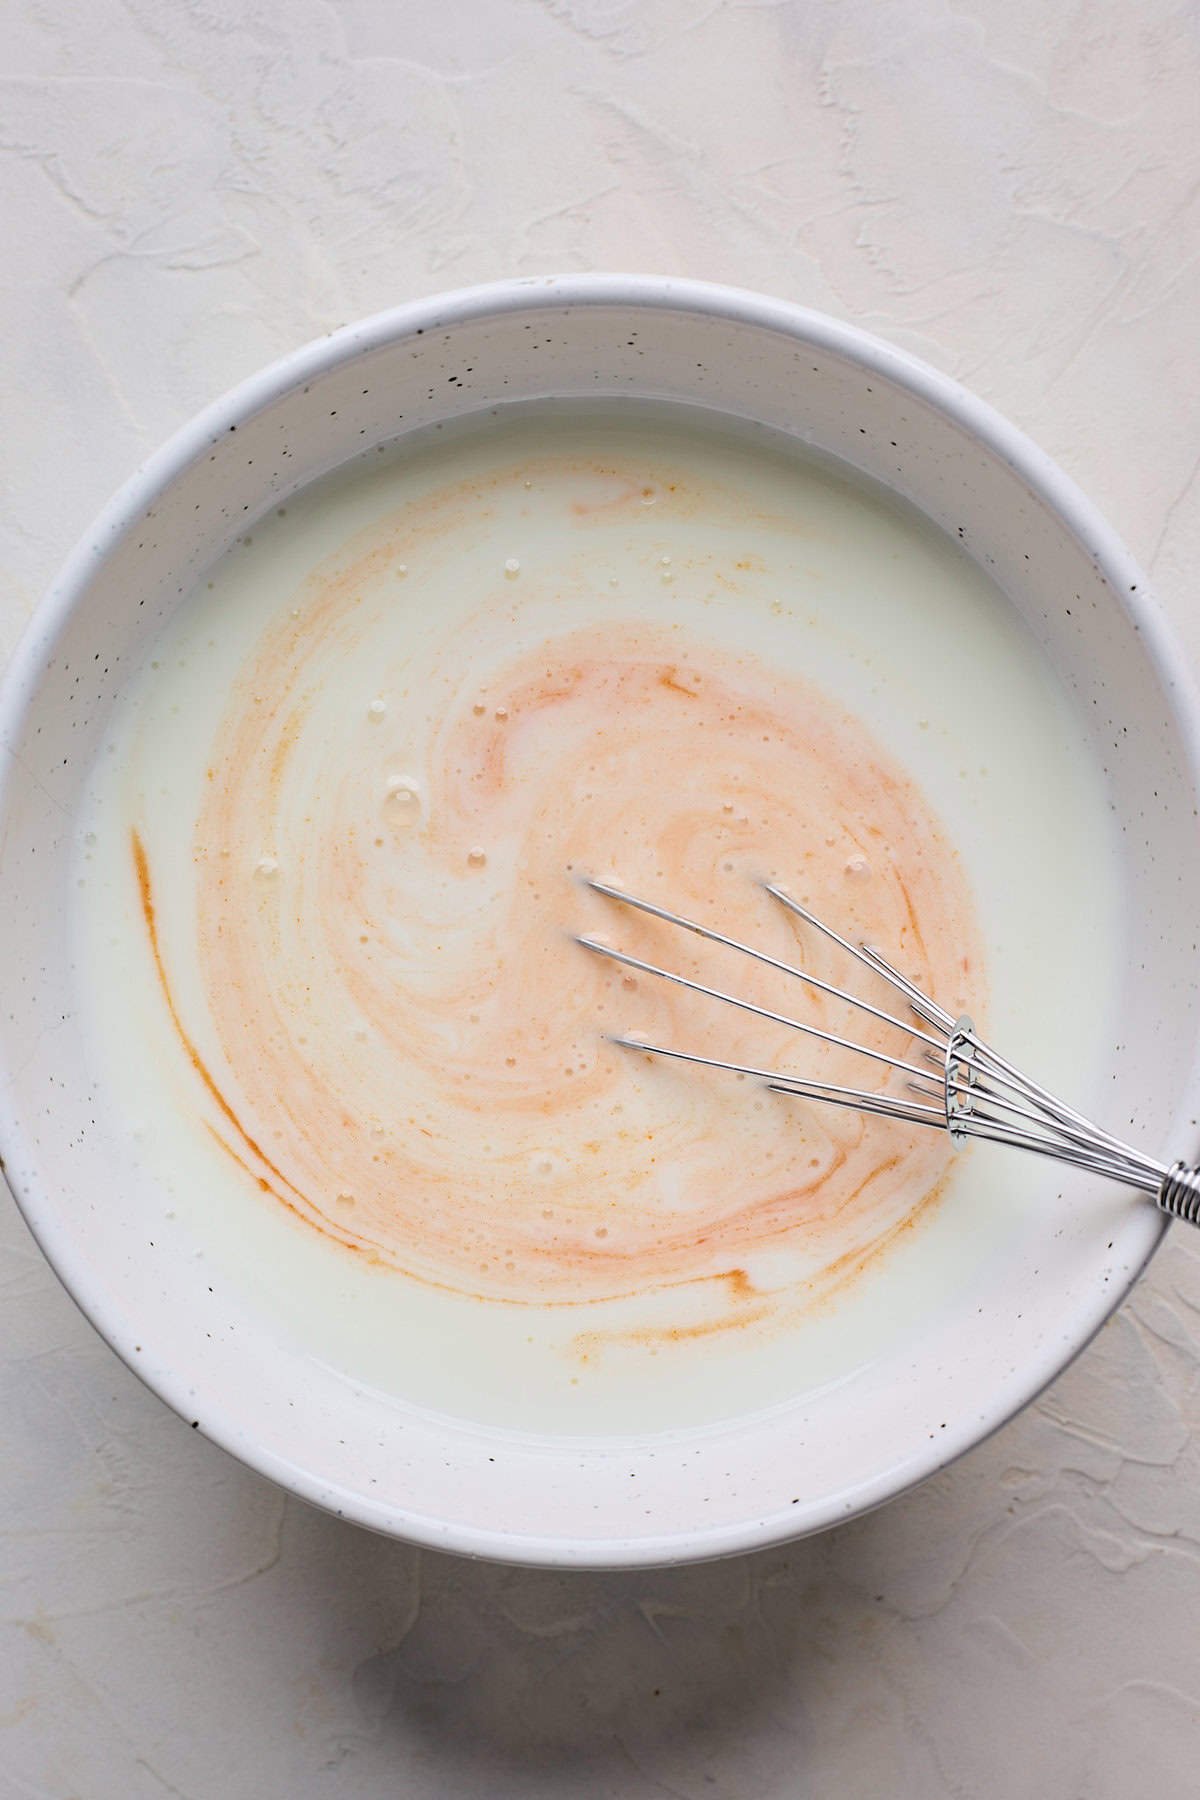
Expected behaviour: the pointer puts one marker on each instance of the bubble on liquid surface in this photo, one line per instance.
(266, 867)
(376, 709)
(402, 793)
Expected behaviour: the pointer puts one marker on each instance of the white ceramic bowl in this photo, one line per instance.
(693, 1494)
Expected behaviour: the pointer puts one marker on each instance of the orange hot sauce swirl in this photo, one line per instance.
(412, 1055)
(407, 1023)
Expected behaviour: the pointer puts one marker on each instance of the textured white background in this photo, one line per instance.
(1011, 188)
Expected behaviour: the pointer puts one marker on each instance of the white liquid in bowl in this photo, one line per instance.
(327, 899)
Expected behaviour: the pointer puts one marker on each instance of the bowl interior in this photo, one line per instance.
(444, 1482)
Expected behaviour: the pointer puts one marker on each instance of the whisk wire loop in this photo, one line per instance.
(962, 1086)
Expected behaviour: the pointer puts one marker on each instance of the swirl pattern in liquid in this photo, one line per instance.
(412, 1049)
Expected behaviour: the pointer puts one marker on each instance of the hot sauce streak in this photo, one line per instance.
(417, 1045)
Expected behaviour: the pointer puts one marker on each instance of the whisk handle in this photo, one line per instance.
(1179, 1194)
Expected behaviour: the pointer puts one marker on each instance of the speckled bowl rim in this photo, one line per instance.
(18, 689)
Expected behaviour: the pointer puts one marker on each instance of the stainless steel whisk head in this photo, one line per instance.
(959, 1085)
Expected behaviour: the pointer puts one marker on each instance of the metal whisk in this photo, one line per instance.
(960, 1085)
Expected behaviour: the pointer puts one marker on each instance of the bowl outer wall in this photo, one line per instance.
(19, 693)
